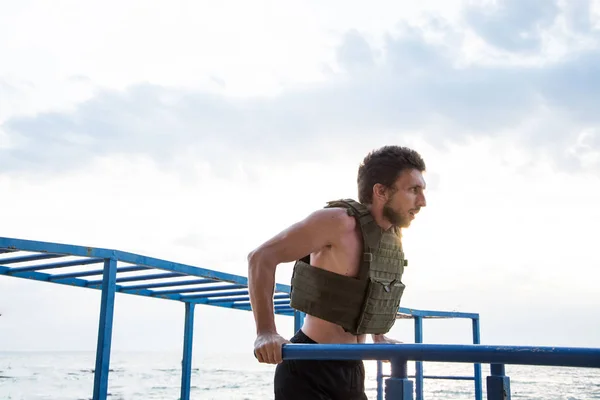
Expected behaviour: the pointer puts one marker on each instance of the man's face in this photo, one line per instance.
(406, 200)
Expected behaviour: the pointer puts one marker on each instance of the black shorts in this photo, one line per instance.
(319, 379)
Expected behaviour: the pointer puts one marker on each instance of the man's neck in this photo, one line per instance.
(377, 214)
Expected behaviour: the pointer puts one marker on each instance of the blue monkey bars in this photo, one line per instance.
(122, 272)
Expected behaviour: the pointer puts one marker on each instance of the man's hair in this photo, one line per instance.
(384, 166)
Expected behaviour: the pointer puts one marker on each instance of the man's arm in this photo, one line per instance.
(320, 229)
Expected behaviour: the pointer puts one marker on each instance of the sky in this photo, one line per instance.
(193, 131)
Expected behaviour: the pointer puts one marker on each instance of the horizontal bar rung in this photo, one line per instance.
(228, 299)
(139, 278)
(94, 272)
(200, 289)
(481, 354)
(62, 264)
(31, 257)
(167, 284)
(222, 294)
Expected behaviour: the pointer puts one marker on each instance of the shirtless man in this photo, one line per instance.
(391, 185)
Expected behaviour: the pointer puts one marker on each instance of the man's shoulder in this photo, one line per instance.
(337, 217)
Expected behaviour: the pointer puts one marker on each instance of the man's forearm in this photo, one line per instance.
(261, 284)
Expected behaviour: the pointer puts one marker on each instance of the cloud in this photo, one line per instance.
(514, 25)
(412, 85)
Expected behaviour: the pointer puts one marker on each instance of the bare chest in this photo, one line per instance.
(343, 257)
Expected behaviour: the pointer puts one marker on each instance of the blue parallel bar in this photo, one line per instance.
(477, 366)
(167, 284)
(498, 384)
(225, 299)
(221, 294)
(200, 289)
(107, 305)
(62, 264)
(139, 278)
(419, 364)
(188, 339)
(79, 274)
(522, 355)
(31, 257)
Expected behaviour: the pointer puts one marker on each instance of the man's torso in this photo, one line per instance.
(342, 257)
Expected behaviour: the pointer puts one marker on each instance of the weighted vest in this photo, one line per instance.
(367, 303)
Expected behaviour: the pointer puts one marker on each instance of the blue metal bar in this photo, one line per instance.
(80, 274)
(436, 314)
(477, 366)
(30, 257)
(44, 277)
(419, 364)
(202, 289)
(167, 284)
(129, 258)
(398, 386)
(498, 384)
(188, 339)
(440, 377)
(522, 355)
(221, 294)
(55, 248)
(107, 305)
(62, 264)
(140, 278)
(449, 377)
(278, 299)
(379, 380)
(298, 318)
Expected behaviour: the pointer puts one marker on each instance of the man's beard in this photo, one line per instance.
(396, 219)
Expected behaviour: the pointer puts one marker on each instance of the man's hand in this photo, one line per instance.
(384, 339)
(267, 348)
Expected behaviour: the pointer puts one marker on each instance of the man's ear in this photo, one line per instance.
(380, 192)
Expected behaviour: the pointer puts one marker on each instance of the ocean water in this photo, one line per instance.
(137, 376)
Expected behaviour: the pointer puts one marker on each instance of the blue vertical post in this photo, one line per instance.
(186, 364)
(419, 364)
(498, 384)
(105, 325)
(477, 367)
(379, 380)
(298, 320)
(398, 386)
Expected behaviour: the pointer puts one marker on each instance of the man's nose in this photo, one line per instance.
(421, 201)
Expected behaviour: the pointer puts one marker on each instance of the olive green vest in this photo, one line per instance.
(364, 304)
